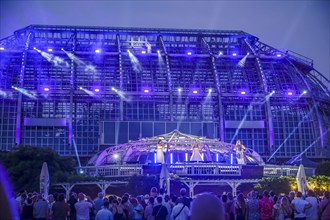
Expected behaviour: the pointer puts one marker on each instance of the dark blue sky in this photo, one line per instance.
(300, 26)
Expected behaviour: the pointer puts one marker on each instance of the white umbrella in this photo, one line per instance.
(44, 180)
(301, 179)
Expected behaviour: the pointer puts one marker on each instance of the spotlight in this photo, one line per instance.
(81, 171)
(46, 89)
(290, 93)
(116, 156)
(128, 51)
(305, 92)
(195, 91)
(278, 55)
(158, 51)
(62, 49)
(146, 91)
(189, 53)
(96, 90)
(97, 51)
(243, 92)
(2, 48)
(179, 89)
(113, 89)
(50, 50)
(210, 90)
(234, 54)
(80, 87)
(273, 91)
(34, 48)
(143, 52)
(220, 53)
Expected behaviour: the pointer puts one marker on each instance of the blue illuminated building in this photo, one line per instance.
(103, 86)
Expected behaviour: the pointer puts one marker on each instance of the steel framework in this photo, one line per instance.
(168, 59)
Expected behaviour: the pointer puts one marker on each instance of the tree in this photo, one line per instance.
(23, 165)
(281, 184)
(323, 168)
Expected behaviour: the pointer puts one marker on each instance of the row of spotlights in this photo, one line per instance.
(144, 52)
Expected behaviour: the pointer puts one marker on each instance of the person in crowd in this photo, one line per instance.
(83, 208)
(300, 206)
(313, 212)
(137, 210)
(154, 192)
(126, 207)
(252, 209)
(325, 207)
(240, 207)
(60, 210)
(186, 200)
(159, 211)
(180, 211)
(149, 208)
(117, 210)
(51, 201)
(265, 206)
(207, 206)
(104, 213)
(27, 212)
(276, 208)
(40, 209)
(224, 199)
(72, 201)
(98, 203)
(167, 204)
(285, 210)
(291, 196)
(229, 206)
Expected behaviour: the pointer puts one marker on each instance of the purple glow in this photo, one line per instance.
(195, 91)
(96, 90)
(50, 49)
(234, 54)
(143, 52)
(243, 92)
(189, 53)
(97, 51)
(290, 93)
(46, 89)
(146, 91)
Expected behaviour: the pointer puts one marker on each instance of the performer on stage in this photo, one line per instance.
(160, 152)
(240, 152)
(196, 155)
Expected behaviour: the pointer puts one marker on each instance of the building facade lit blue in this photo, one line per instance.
(95, 87)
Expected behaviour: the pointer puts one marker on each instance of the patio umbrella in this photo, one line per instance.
(44, 180)
(301, 180)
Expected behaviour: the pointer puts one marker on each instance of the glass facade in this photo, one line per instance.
(99, 86)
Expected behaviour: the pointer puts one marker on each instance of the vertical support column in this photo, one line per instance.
(73, 67)
(218, 87)
(121, 77)
(67, 187)
(19, 100)
(169, 77)
(233, 184)
(267, 104)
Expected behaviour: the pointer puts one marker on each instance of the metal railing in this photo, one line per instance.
(190, 170)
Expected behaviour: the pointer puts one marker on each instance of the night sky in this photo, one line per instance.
(300, 26)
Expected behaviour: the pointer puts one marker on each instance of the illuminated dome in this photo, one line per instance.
(178, 150)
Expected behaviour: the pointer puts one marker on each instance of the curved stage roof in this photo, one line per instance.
(178, 150)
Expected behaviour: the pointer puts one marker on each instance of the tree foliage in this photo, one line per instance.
(24, 164)
(323, 168)
(278, 185)
(142, 184)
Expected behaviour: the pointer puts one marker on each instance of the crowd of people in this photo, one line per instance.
(160, 206)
